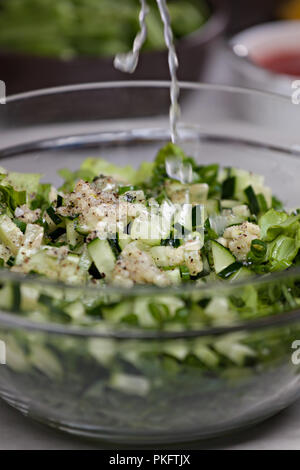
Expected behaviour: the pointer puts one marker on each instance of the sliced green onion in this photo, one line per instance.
(10, 261)
(231, 269)
(258, 248)
(16, 297)
(125, 189)
(20, 224)
(262, 203)
(197, 212)
(252, 200)
(159, 312)
(209, 233)
(113, 243)
(228, 188)
(53, 216)
(172, 241)
(59, 201)
(57, 233)
(185, 273)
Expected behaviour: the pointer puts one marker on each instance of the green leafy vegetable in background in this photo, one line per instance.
(67, 28)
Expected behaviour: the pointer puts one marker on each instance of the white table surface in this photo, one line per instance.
(279, 432)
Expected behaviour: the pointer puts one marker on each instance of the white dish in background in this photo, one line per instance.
(259, 41)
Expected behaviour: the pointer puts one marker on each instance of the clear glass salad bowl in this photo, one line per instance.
(135, 385)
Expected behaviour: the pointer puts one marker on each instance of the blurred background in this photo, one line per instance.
(46, 43)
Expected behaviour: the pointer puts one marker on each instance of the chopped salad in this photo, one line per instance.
(171, 222)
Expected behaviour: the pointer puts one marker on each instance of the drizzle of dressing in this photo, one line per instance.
(175, 169)
(128, 62)
(179, 171)
(173, 65)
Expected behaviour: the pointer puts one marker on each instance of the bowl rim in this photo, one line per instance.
(13, 320)
(184, 85)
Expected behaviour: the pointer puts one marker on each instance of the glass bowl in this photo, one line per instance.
(107, 380)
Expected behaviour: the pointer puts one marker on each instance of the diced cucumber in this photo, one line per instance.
(47, 264)
(73, 237)
(219, 312)
(130, 384)
(6, 297)
(244, 179)
(184, 217)
(115, 313)
(124, 239)
(75, 310)
(10, 235)
(198, 192)
(5, 253)
(99, 166)
(174, 275)
(85, 260)
(82, 229)
(221, 256)
(23, 181)
(102, 255)
(53, 216)
(45, 360)
(212, 206)
(151, 229)
(29, 298)
(229, 203)
(205, 354)
(178, 349)
(69, 270)
(16, 357)
(230, 270)
(102, 349)
(32, 241)
(230, 346)
(242, 273)
(162, 256)
(252, 200)
(187, 193)
(228, 187)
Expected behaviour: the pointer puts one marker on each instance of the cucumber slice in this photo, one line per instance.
(6, 297)
(53, 216)
(31, 242)
(102, 255)
(221, 256)
(124, 239)
(252, 200)
(174, 275)
(230, 270)
(228, 187)
(184, 218)
(73, 237)
(23, 181)
(229, 203)
(212, 206)
(85, 259)
(10, 234)
(242, 273)
(151, 230)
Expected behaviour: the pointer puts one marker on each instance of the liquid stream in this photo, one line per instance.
(128, 62)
